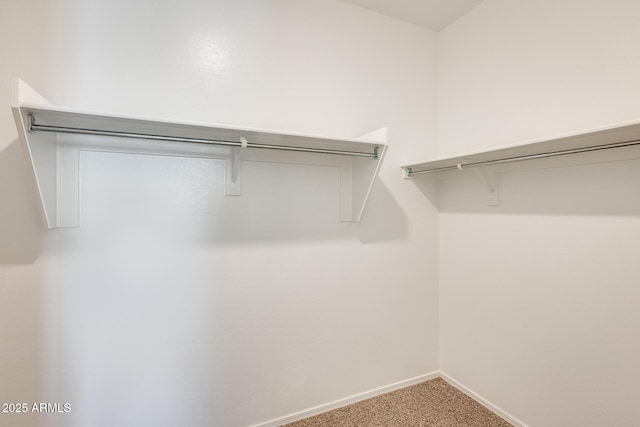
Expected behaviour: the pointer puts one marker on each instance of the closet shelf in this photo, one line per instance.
(53, 137)
(618, 136)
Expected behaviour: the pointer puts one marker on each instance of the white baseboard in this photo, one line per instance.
(475, 396)
(347, 401)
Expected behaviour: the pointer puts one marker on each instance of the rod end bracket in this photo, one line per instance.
(32, 122)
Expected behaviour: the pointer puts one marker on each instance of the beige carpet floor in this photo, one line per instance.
(430, 404)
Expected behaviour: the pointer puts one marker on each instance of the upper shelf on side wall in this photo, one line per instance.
(52, 138)
(607, 138)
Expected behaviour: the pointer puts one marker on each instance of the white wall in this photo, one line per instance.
(539, 296)
(22, 307)
(517, 70)
(175, 305)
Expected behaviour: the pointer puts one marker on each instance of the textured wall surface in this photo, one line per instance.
(539, 296)
(173, 304)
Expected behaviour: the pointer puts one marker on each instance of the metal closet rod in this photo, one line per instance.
(461, 166)
(33, 126)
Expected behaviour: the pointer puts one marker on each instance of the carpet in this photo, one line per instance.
(433, 403)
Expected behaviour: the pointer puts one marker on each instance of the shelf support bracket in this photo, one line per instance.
(489, 178)
(233, 169)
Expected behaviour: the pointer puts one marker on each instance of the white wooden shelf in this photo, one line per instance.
(617, 136)
(53, 137)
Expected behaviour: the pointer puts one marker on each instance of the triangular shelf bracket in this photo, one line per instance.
(490, 180)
